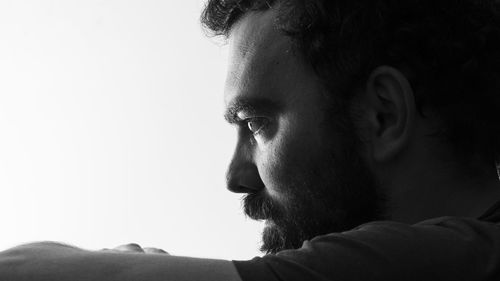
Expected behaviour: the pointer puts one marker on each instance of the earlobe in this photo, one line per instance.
(391, 112)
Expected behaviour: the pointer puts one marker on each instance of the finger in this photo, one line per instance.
(132, 247)
(150, 250)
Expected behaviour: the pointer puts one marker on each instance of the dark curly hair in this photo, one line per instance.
(448, 49)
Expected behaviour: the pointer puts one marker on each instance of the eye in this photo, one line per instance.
(256, 124)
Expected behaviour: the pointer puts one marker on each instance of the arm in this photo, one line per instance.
(51, 261)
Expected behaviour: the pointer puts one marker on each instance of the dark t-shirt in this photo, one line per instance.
(446, 248)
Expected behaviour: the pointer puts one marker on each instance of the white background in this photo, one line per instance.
(111, 129)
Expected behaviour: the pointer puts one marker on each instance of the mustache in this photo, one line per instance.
(259, 206)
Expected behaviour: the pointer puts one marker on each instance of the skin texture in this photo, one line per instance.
(395, 156)
(298, 163)
(48, 261)
(308, 172)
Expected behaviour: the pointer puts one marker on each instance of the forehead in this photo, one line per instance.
(261, 62)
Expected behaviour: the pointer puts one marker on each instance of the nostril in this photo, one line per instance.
(238, 188)
(233, 185)
(243, 177)
(244, 182)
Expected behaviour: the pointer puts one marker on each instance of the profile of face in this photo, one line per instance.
(297, 163)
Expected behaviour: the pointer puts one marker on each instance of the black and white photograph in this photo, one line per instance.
(249, 140)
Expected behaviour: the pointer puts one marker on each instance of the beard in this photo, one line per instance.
(330, 193)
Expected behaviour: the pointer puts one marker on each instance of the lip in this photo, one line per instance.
(269, 223)
(256, 206)
(259, 217)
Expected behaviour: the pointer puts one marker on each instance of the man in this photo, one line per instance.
(367, 141)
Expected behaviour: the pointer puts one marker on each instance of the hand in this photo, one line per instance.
(136, 248)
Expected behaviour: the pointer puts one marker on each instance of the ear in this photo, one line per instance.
(389, 110)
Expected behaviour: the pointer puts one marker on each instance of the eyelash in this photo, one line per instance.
(264, 123)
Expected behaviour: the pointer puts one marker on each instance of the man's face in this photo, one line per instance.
(297, 162)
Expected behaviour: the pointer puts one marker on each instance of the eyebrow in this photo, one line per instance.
(250, 106)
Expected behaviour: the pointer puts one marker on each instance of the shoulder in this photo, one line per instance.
(439, 249)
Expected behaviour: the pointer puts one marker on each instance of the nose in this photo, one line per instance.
(243, 175)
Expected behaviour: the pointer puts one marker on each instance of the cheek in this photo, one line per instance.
(285, 161)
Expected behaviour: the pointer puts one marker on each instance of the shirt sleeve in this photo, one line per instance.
(439, 249)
